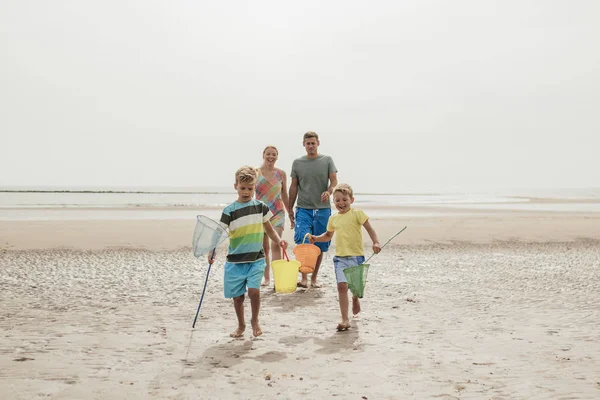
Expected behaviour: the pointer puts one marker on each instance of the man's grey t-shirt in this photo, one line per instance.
(313, 180)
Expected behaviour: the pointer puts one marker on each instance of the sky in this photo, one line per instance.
(414, 95)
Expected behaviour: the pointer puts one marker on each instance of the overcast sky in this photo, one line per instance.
(406, 95)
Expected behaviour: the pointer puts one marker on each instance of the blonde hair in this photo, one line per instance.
(344, 189)
(308, 135)
(270, 147)
(245, 174)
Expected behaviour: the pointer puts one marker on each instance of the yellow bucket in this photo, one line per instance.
(285, 273)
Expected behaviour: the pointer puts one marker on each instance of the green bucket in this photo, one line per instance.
(357, 279)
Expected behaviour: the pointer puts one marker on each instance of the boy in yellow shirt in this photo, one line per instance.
(349, 249)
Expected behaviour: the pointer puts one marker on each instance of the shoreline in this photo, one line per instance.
(171, 234)
(517, 200)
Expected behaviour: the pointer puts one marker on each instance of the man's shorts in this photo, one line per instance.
(238, 276)
(341, 263)
(313, 222)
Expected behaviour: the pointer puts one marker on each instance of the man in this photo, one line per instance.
(314, 176)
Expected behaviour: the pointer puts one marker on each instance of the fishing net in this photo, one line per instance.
(357, 279)
(208, 234)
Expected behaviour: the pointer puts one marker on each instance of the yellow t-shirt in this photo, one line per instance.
(348, 232)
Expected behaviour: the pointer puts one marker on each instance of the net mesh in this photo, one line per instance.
(357, 279)
(208, 234)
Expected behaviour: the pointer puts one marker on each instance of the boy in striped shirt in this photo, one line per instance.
(247, 220)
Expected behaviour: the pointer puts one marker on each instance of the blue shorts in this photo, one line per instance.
(238, 276)
(313, 222)
(341, 263)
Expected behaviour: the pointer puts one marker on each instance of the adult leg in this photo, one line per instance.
(343, 299)
(275, 248)
(254, 295)
(267, 273)
(313, 276)
(238, 305)
(320, 219)
(303, 281)
(304, 225)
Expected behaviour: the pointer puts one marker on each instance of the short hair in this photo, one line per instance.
(245, 174)
(270, 147)
(310, 134)
(344, 189)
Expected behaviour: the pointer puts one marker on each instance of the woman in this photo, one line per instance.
(271, 189)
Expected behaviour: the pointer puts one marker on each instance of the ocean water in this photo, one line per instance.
(176, 203)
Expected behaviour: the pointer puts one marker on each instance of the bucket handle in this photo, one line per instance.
(305, 236)
(389, 240)
(285, 254)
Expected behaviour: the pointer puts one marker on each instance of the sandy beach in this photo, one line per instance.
(477, 305)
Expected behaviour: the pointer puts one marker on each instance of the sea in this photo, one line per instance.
(84, 203)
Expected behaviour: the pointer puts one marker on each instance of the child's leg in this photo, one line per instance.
(234, 287)
(238, 305)
(255, 273)
(254, 295)
(355, 305)
(343, 298)
(267, 273)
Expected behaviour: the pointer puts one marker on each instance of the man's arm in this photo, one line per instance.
(332, 184)
(284, 193)
(292, 198)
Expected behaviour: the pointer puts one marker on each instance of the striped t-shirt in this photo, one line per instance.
(245, 223)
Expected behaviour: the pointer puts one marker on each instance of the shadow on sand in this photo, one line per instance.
(227, 355)
(289, 302)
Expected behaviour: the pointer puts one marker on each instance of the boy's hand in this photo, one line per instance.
(211, 257)
(376, 248)
(283, 244)
(311, 239)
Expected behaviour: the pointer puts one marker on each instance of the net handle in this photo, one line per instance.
(389, 240)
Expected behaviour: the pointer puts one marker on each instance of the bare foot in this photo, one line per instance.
(343, 326)
(355, 305)
(256, 331)
(303, 284)
(239, 332)
(265, 283)
(315, 284)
